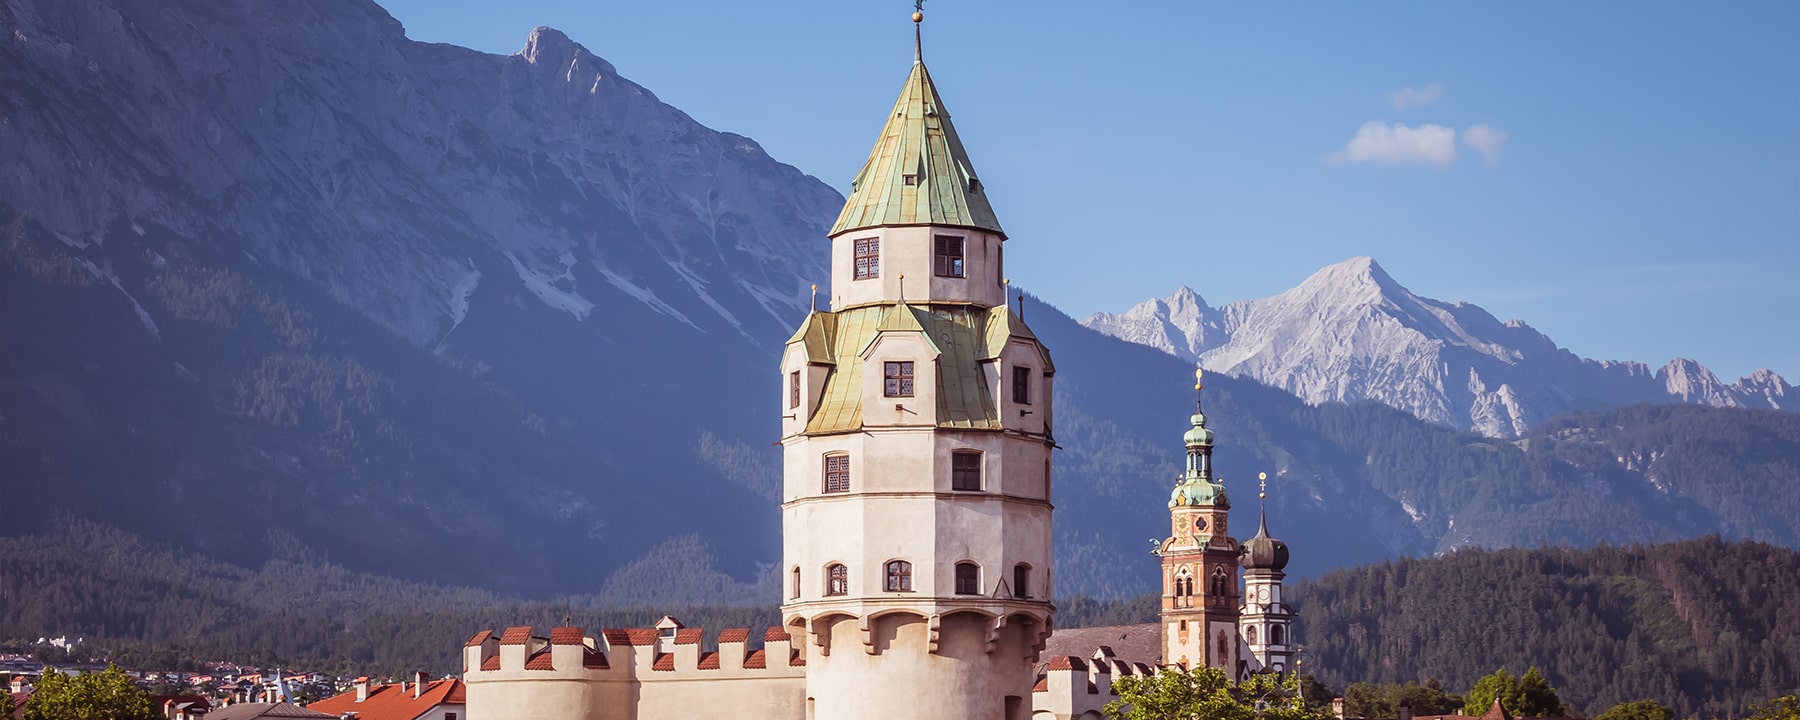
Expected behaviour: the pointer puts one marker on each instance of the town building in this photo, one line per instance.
(916, 430)
(421, 699)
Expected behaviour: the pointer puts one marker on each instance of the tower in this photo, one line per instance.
(1199, 561)
(916, 434)
(1266, 621)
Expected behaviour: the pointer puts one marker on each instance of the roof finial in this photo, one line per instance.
(1199, 372)
(902, 280)
(815, 297)
(918, 20)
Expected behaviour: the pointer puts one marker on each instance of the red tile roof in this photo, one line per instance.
(795, 659)
(709, 661)
(593, 660)
(1043, 685)
(1067, 662)
(516, 635)
(492, 663)
(665, 662)
(756, 660)
(639, 637)
(775, 634)
(734, 635)
(688, 636)
(567, 636)
(540, 661)
(479, 638)
(390, 702)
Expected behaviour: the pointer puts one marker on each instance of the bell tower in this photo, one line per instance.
(1267, 622)
(1200, 561)
(916, 432)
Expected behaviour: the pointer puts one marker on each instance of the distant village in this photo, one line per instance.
(228, 691)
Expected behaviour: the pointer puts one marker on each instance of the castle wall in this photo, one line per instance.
(974, 671)
(632, 675)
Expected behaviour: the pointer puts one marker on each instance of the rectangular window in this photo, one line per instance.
(837, 473)
(1022, 385)
(794, 389)
(948, 260)
(1021, 582)
(897, 379)
(868, 258)
(968, 579)
(965, 471)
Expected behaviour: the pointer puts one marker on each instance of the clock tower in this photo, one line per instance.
(1200, 561)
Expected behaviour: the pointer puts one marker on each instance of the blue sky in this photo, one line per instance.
(1624, 176)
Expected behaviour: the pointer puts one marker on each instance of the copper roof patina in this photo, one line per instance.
(964, 337)
(918, 173)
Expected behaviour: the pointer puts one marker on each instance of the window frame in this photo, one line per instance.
(1021, 384)
(899, 576)
(795, 592)
(841, 483)
(865, 258)
(1022, 581)
(837, 580)
(960, 475)
(973, 586)
(899, 378)
(794, 390)
(945, 264)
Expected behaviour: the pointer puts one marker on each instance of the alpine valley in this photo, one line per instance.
(277, 282)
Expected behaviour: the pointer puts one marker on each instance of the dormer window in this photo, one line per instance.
(794, 389)
(912, 180)
(868, 258)
(897, 379)
(947, 260)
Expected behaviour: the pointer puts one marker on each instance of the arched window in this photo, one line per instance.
(899, 576)
(968, 578)
(1219, 582)
(965, 470)
(1021, 581)
(1224, 650)
(837, 580)
(1250, 634)
(837, 473)
(1275, 635)
(796, 591)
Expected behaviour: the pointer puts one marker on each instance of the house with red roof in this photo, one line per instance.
(420, 699)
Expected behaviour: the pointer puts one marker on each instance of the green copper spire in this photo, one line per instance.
(1197, 486)
(918, 173)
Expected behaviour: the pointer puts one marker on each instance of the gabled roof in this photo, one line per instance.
(964, 399)
(255, 711)
(815, 336)
(1003, 325)
(917, 142)
(392, 701)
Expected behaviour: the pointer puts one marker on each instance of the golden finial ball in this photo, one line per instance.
(1199, 373)
(1262, 476)
(815, 287)
(918, 17)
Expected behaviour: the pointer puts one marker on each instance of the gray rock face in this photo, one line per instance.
(1350, 333)
(401, 176)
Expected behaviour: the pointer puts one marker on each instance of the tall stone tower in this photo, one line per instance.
(1266, 622)
(916, 427)
(1200, 562)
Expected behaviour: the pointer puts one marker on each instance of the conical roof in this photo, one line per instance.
(918, 173)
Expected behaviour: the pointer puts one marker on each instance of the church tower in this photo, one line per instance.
(1266, 621)
(916, 434)
(1200, 562)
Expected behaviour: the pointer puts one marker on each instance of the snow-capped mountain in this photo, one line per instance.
(1350, 332)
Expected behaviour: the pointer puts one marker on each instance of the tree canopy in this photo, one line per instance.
(1208, 693)
(1382, 702)
(105, 695)
(1786, 707)
(1528, 695)
(1638, 710)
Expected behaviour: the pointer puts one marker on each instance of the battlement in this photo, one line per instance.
(643, 654)
(1070, 686)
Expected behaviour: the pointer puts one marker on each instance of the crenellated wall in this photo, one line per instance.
(1073, 688)
(628, 674)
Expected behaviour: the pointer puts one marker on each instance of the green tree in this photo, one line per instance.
(6, 704)
(1528, 695)
(106, 695)
(1786, 707)
(1381, 702)
(1638, 710)
(1207, 693)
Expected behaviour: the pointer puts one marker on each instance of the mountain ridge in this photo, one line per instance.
(1351, 332)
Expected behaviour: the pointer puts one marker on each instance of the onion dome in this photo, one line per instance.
(1264, 553)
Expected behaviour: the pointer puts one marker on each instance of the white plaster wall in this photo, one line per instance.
(908, 250)
(902, 679)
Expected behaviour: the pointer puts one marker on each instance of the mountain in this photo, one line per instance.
(275, 280)
(1350, 332)
(273, 267)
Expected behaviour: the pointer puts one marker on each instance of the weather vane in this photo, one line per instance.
(1199, 373)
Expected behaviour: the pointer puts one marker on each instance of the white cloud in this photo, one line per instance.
(1415, 97)
(1487, 141)
(1397, 144)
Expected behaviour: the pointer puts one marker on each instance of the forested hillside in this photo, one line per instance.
(1707, 626)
